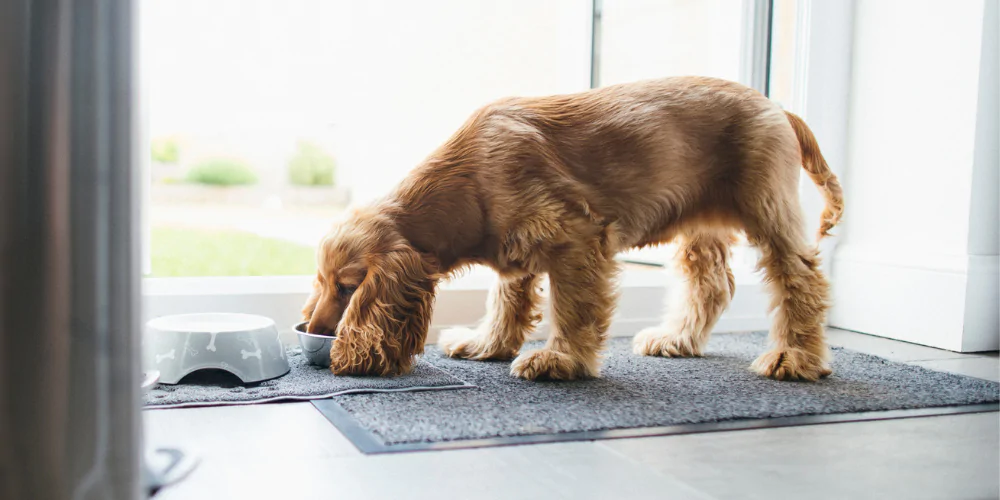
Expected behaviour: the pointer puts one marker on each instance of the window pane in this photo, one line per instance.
(266, 116)
(642, 39)
(783, 48)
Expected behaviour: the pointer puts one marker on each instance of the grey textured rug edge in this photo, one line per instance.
(369, 443)
(290, 398)
(303, 382)
(707, 394)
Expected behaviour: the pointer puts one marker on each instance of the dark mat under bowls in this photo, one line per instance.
(303, 382)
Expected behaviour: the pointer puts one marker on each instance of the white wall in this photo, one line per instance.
(910, 235)
(913, 122)
(983, 287)
(984, 239)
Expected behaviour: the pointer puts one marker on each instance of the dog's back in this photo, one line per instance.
(646, 154)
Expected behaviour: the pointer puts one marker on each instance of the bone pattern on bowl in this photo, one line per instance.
(248, 346)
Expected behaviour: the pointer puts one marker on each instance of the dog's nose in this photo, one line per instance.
(325, 318)
(321, 327)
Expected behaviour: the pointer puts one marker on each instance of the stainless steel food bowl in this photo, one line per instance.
(316, 348)
(245, 345)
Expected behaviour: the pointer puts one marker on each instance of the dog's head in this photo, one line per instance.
(375, 292)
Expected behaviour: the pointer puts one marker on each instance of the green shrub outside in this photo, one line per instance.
(222, 172)
(311, 166)
(165, 150)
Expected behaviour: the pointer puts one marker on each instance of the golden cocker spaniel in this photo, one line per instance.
(559, 185)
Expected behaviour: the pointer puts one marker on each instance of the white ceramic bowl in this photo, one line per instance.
(245, 345)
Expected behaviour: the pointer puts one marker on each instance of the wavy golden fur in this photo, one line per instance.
(559, 185)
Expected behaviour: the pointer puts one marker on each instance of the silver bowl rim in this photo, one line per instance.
(306, 334)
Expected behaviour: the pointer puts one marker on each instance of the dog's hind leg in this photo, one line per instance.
(583, 301)
(511, 316)
(695, 304)
(799, 296)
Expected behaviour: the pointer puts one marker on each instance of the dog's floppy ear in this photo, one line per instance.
(310, 306)
(385, 324)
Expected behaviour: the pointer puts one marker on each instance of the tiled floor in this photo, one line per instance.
(290, 451)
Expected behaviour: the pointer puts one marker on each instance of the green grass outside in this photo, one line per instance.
(194, 252)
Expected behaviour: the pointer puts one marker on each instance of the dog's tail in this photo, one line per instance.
(815, 165)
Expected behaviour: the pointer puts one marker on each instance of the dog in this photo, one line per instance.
(559, 185)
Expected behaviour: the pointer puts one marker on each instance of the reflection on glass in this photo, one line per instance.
(783, 49)
(267, 118)
(643, 39)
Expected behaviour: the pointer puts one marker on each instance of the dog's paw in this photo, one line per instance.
(656, 341)
(546, 364)
(471, 344)
(791, 364)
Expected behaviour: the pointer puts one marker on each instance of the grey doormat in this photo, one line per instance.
(644, 396)
(303, 382)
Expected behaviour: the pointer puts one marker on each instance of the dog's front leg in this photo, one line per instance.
(583, 302)
(511, 316)
(696, 302)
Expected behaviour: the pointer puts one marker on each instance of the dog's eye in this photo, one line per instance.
(345, 291)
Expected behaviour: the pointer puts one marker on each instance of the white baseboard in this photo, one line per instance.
(982, 305)
(946, 302)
